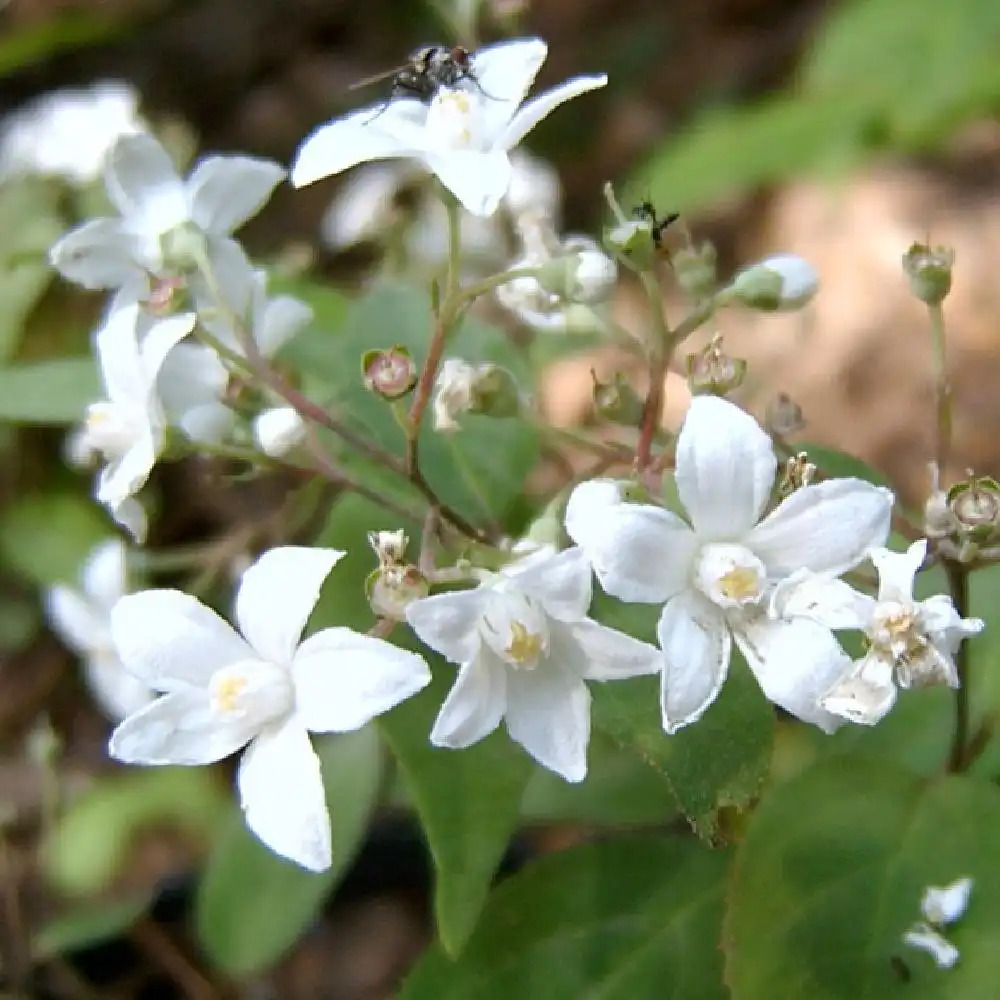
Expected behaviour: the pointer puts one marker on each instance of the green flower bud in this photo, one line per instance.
(711, 372)
(617, 401)
(779, 283)
(975, 506)
(929, 272)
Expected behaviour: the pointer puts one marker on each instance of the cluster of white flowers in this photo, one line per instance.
(188, 309)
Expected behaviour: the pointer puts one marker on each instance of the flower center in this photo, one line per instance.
(730, 576)
(515, 628)
(894, 626)
(452, 120)
(252, 691)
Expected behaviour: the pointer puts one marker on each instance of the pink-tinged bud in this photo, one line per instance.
(390, 374)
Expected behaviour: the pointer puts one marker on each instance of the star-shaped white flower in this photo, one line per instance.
(715, 576)
(162, 217)
(222, 690)
(128, 428)
(464, 135)
(525, 647)
(913, 641)
(81, 617)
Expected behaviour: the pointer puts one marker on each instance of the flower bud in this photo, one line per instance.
(632, 241)
(975, 505)
(695, 269)
(495, 392)
(592, 273)
(929, 271)
(389, 374)
(783, 416)
(391, 588)
(778, 283)
(389, 546)
(711, 372)
(617, 401)
(278, 431)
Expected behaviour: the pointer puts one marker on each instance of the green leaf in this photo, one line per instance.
(69, 31)
(467, 802)
(47, 536)
(90, 842)
(831, 874)
(86, 926)
(253, 905)
(48, 392)
(720, 761)
(630, 919)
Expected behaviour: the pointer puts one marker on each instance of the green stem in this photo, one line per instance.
(942, 387)
(958, 586)
(660, 350)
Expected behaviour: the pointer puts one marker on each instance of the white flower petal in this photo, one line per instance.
(506, 71)
(144, 186)
(827, 600)
(587, 506)
(283, 317)
(77, 622)
(225, 191)
(560, 582)
(363, 205)
(725, 468)
(548, 713)
(97, 254)
(343, 679)
(827, 528)
(943, 905)
(531, 113)
(696, 647)
(897, 571)
(449, 623)
(866, 694)
(478, 180)
(346, 142)
(796, 662)
(160, 337)
(281, 791)
(127, 473)
(925, 938)
(277, 595)
(605, 654)
(170, 639)
(474, 705)
(131, 515)
(103, 573)
(178, 728)
(117, 692)
(640, 553)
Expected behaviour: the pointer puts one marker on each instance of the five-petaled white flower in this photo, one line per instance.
(913, 641)
(464, 134)
(164, 221)
(222, 690)
(716, 575)
(129, 427)
(81, 617)
(525, 647)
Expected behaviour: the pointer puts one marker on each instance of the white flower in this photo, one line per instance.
(924, 938)
(715, 575)
(278, 430)
(68, 132)
(82, 619)
(164, 221)
(525, 647)
(940, 906)
(913, 641)
(453, 389)
(463, 136)
(191, 385)
(129, 427)
(223, 690)
(780, 282)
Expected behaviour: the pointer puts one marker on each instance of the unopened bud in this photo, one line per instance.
(591, 273)
(783, 416)
(632, 241)
(389, 374)
(389, 546)
(462, 387)
(929, 271)
(695, 268)
(778, 283)
(278, 431)
(616, 400)
(711, 372)
(390, 589)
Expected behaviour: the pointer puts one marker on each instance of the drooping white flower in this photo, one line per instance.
(223, 689)
(463, 387)
(912, 643)
(68, 133)
(128, 428)
(463, 136)
(165, 222)
(715, 575)
(525, 647)
(81, 617)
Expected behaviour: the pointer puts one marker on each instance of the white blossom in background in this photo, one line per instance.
(782, 282)
(191, 386)
(69, 133)
(278, 430)
(453, 393)
(716, 575)
(223, 689)
(128, 427)
(81, 617)
(912, 643)
(525, 647)
(165, 222)
(940, 906)
(463, 136)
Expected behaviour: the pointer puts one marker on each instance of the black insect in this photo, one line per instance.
(428, 68)
(646, 211)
